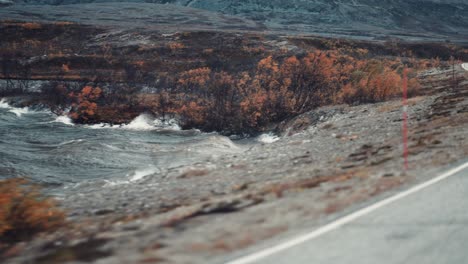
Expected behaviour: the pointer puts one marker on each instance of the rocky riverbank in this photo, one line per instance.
(325, 163)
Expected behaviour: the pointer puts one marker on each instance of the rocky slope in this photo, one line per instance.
(203, 212)
(131, 15)
(414, 20)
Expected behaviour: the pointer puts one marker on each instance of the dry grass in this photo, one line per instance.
(24, 212)
(31, 25)
(64, 23)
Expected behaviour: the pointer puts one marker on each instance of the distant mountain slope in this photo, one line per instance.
(449, 16)
(6, 2)
(416, 18)
(164, 18)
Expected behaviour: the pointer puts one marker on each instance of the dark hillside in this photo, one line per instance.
(412, 20)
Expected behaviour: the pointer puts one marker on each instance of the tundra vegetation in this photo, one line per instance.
(225, 82)
(247, 101)
(24, 212)
(231, 83)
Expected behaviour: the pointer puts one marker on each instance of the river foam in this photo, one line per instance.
(64, 120)
(18, 111)
(4, 104)
(49, 150)
(143, 122)
(134, 176)
(268, 138)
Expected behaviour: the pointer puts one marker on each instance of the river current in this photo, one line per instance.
(50, 150)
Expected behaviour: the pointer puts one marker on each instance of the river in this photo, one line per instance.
(52, 151)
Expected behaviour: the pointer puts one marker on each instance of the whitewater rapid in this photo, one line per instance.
(50, 149)
(268, 138)
(143, 122)
(15, 110)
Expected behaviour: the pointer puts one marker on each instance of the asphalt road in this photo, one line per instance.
(424, 225)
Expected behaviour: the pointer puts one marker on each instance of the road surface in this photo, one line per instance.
(423, 225)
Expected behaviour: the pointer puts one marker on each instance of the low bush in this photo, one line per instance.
(277, 88)
(84, 106)
(24, 211)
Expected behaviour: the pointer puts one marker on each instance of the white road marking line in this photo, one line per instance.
(465, 66)
(342, 221)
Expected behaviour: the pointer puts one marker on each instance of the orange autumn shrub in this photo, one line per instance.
(31, 25)
(376, 81)
(25, 212)
(280, 88)
(414, 86)
(272, 90)
(174, 46)
(194, 81)
(65, 68)
(194, 112)
(85, 105)
(375, 86)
